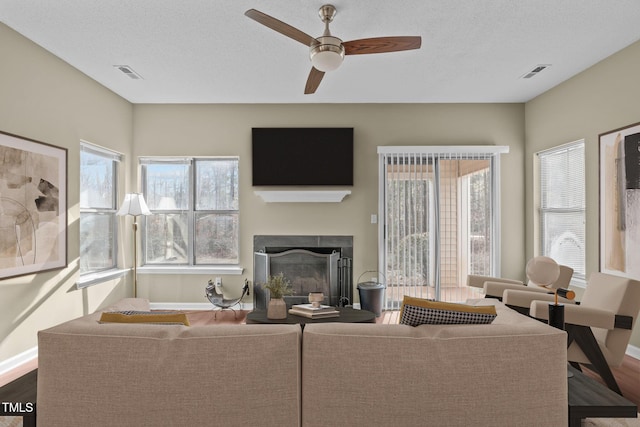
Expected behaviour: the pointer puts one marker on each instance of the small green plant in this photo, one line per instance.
(278, 286)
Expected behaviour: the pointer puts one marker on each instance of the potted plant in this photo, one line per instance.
(278, 287)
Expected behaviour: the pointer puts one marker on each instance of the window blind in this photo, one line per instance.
(438, 219)
(87, 147)
(562, 205)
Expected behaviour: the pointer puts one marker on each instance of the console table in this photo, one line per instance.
(590, 399)
(347, 315)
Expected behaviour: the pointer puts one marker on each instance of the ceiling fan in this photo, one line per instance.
(327, 52)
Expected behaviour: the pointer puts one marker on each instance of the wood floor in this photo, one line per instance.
(628, 378)
(627, 375)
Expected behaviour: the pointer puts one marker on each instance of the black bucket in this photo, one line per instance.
(371, 296)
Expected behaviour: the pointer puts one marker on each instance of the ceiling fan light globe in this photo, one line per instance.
(327, 54)
(326, 61)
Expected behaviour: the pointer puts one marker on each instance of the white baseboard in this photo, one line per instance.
(633, 351)
(18, 360)
(195, 306)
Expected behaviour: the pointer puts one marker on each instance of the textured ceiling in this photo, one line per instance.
(208, 52)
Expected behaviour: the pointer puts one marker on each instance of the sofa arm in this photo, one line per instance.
(497, 289)
(478, 281)
(577, 315)
(524, 298)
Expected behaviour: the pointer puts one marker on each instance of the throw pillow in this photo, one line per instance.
(152, 317)
(418, 311)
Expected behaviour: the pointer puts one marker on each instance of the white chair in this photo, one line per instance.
(544, 275)
(599, 327)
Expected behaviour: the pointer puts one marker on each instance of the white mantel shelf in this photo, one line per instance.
(303, 196)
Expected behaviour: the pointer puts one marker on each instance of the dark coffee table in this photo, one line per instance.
(590, 399)
(347, 315)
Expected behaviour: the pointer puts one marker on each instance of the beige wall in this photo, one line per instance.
(45, 99)
(226, 130)
(602, 98)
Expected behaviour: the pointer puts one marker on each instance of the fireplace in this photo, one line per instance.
(310, 263)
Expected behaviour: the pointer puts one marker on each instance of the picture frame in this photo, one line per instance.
(33, 206)
(619, 173)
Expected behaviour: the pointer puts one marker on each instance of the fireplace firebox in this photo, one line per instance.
(310, 263)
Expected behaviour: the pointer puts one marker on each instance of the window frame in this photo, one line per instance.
(192, 212)
(89, 277)
(541, 211)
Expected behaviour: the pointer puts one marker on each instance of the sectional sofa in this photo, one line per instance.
(509, 373)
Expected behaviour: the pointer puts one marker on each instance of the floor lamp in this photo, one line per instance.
(135, 206)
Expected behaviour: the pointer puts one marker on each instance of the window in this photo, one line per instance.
(195, 211)
(439, 220)
(562, 205)
(98, 206)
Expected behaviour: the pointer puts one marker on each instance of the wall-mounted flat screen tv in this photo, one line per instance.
(302, 156)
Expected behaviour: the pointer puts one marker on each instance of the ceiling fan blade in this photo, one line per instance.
(382, 45)
(280, 27)
(313, 81)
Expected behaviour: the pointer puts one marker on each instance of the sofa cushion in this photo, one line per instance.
(418, 311)
(116, 374)
(509, 373)
(153, 317)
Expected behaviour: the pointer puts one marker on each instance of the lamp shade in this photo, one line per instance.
(134, 204)
(542, 270)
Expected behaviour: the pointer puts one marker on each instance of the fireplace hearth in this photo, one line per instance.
(310, 263)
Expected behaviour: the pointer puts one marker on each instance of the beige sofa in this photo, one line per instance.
(509, 373)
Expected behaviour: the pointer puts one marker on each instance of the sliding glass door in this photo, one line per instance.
(438, 220)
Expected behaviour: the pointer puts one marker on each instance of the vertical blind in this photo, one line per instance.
(438, 218)
(562, 205)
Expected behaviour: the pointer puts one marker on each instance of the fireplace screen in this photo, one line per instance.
(307, 270)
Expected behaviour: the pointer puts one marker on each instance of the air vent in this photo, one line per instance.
(128, 71)
(536, 70)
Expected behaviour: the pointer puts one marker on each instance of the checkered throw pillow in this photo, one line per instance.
(417, 311)
(414, 316)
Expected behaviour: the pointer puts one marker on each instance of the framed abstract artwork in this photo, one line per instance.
(620, 201)
(33, 206)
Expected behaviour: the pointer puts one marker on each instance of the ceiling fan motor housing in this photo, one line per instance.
(327, 53)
